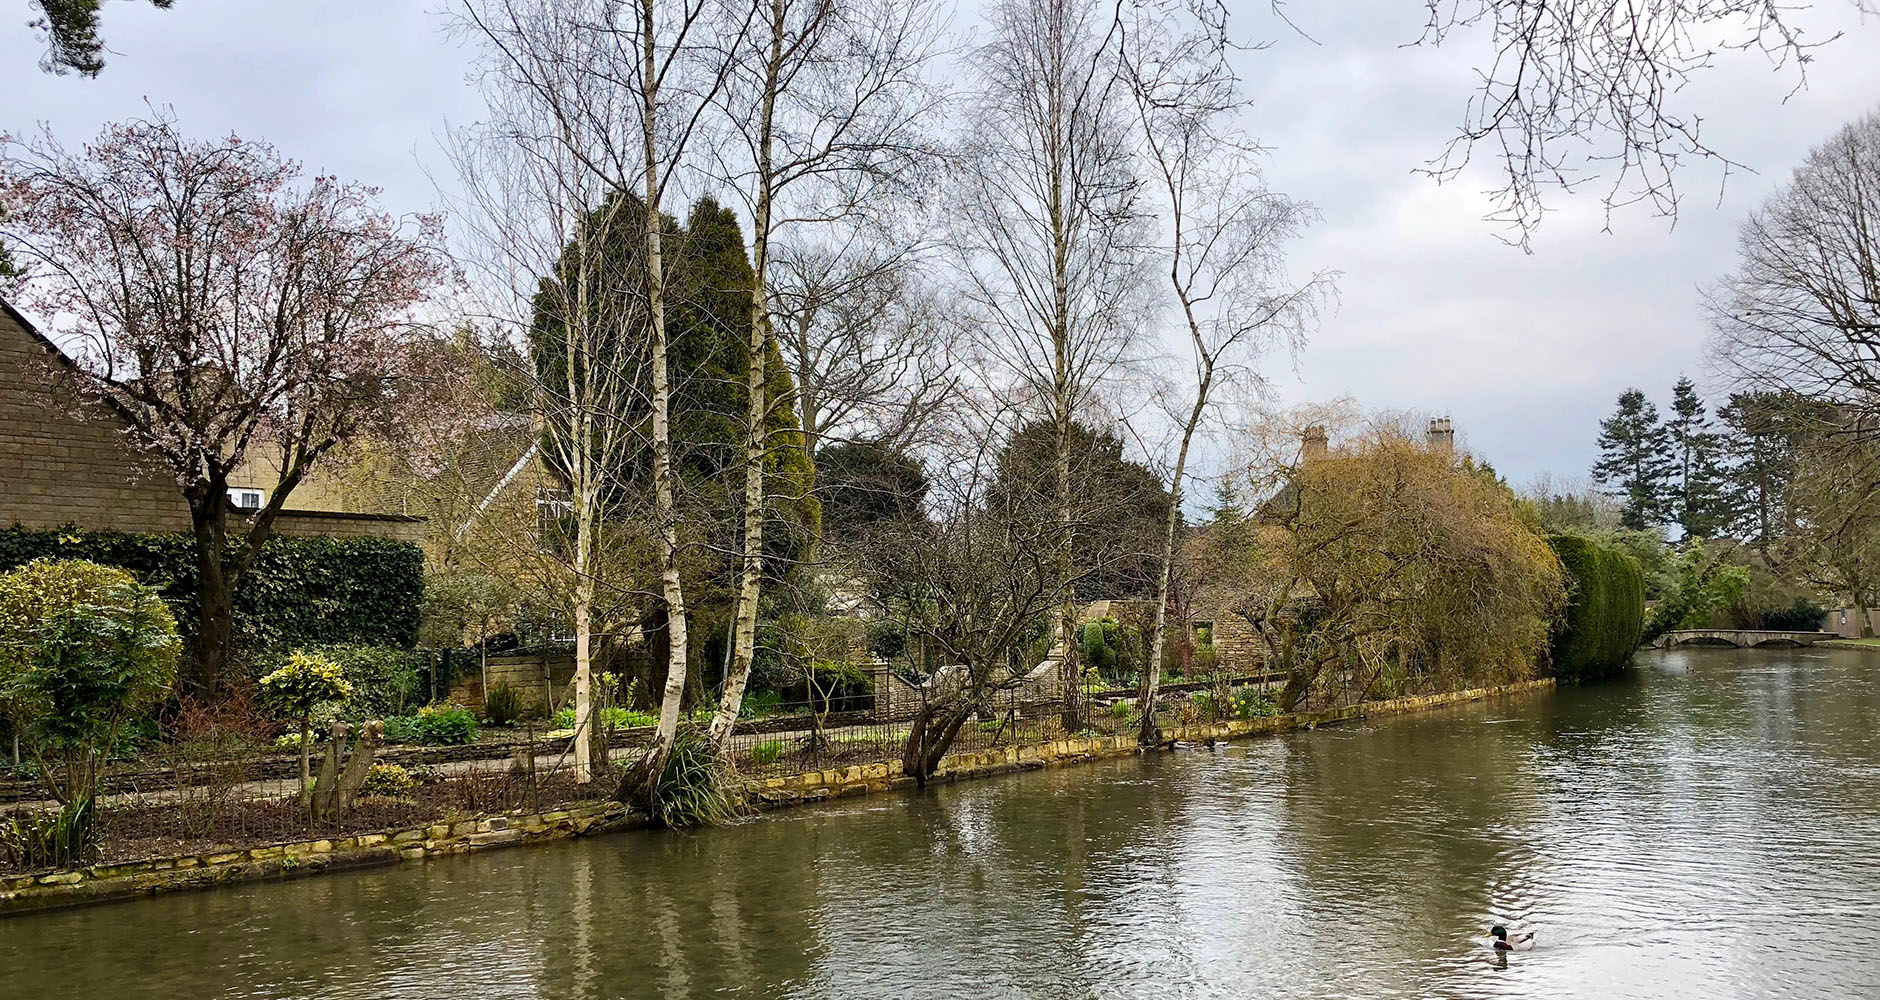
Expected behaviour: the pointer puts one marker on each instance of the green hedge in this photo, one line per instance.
(1605, 613)
(300, 592)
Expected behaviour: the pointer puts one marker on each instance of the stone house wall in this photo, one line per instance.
(63, 460)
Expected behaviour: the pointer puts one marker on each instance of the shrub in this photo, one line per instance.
(767, 752)
(611, 718)
(693, 790)
(1252, 703)
(63, 838)
(84, 650)
(887, 638)
(759, 703)
(1121, 709)
(398, 729)
(1605, 614)
(387, 781)
(305, 683)
(503, 704)
(383, 679)
(292, 740)
(301, 592)
(837, 686)
(446, 725)
(1803, 615)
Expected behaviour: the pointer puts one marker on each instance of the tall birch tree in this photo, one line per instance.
(1049, 234)
(628, 87)
(829, 103)
(553, 227)
(1222, 240)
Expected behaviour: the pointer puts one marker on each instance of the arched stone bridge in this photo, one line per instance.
(1739, 637)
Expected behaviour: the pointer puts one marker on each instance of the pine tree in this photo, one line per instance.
(72, 39)
(1634, 461)
(1762, 433)
(1695, 498)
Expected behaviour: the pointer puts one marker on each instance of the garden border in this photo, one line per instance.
(302, 859)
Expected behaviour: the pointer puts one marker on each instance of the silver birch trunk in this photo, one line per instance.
(1152, 674)
(750, 585)
(665, 498)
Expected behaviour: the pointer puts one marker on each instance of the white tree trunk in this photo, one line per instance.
(665, 491)
(583, 660)
(1152, 673)
(750, 584)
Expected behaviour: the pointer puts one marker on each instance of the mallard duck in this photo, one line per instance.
(1500, 941)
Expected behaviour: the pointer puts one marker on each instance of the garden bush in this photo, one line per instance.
(1605, 614)
(1252, 703)
(303, 685)
(611, 718)
(767, 752)
(388, 781)
(434, 725)
(757, 704)
(384, 679)
(1802, 615)
(85, 650)
(301, 592)
(503, 705)
(61, 838)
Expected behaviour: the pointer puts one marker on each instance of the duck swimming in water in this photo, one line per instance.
(1500, 941)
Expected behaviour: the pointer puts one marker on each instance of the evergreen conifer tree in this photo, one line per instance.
(72, 39)
(1695, 497)
(1763, 432)
(1634, 460)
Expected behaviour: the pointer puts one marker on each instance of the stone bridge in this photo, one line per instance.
(1739, 637)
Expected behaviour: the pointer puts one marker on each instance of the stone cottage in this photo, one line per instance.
(64, 461)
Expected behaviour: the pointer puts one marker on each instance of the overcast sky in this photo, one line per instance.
(1526, 352)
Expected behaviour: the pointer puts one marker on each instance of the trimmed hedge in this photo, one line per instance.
(300, 591)
(1605, 613)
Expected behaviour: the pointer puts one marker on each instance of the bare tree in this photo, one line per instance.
(557, 229)
(866, 339)
(1583, 91)
(626, 87)
(1048, 230)
(973, 586)
(230, 314)
(830, 103)
(1802, 311)
(1223, 241)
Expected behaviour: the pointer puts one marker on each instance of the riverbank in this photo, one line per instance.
(472, 833)
(1850, 643)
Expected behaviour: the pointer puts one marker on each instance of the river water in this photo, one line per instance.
(1706, 828)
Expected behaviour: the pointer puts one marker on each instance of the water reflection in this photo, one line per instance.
(1702, 830)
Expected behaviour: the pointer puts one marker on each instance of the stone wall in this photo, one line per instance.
(63, 460)
(543, 680)
(863, 779)
(98, 883)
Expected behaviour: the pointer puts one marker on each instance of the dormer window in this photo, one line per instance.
(246, 497)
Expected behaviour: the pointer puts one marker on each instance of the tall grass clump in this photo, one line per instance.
(696, 788)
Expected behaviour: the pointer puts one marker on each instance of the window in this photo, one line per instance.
(554, 512)
(246, 498)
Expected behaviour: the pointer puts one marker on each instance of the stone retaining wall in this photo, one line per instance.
(864, 779)
(99, 883)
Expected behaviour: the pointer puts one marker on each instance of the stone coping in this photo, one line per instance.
(468, 834)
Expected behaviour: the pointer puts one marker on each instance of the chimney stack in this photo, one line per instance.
(1442, 436)
(1312, 443)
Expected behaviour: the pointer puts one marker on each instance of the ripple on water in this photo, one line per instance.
(1705, 829)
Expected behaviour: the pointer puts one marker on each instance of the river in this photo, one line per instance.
(1705, 828)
